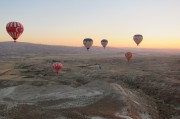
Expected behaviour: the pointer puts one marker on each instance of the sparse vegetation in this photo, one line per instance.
(81, 91)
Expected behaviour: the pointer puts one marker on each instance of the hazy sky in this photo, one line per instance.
(68, 22)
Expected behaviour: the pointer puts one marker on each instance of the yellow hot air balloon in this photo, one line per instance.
(138, 38)
(88, 42)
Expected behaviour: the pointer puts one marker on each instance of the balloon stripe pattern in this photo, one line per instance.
(14, 29)
(138, 38)
(57, 67)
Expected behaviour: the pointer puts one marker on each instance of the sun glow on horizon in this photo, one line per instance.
(68, 22)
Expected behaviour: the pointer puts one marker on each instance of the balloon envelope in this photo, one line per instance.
(57, 67)
(104, 42)
(88, 42)
(138, 38)
(128, 55)
(14, 29)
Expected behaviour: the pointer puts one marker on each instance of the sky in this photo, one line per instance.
(68, 22)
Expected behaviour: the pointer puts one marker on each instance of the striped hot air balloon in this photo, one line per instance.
(57, 67)
(14, 29)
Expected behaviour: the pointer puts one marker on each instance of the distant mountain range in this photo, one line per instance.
(22, 48)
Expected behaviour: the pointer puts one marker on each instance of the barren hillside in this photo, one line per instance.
(148, 87)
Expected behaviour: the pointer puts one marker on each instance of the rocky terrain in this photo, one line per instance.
(148, 87)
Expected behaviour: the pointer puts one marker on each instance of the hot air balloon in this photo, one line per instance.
(128, 55)
(14, 29)
(57, 67)
(104, 42)
(88, 42)
(138, 38)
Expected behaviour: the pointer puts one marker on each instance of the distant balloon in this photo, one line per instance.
(14, 29)
(88, 42)
(128, 55)
(57, 67)
(104, 42)
(138, 38)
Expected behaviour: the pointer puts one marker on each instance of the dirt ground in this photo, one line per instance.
(148, 87)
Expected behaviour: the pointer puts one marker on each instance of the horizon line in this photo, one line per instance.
(94, 46)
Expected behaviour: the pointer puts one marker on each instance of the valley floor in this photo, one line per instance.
(148, 87)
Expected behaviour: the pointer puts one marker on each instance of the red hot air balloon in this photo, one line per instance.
(14, 29)
(104, 42)
(128, 55)
(88, 42)
(57, 67)
(138, 38)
